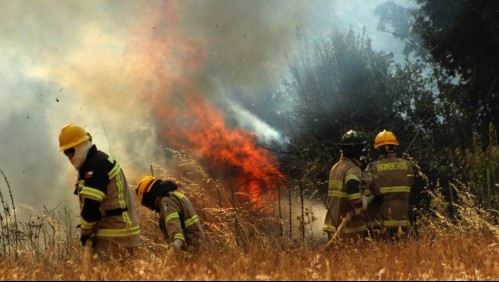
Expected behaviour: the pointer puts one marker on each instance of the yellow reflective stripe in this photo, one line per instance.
(373, 223)
(352, 177)
(127, 219)
(391, 166)
(114, 172)
(178, 194)
(335, 193)
(392, 223)
(395, 189)
(328, 228)
(191, 221)
(121, 192)
(354, 196)
(335, 184)
(355, 229)
(118, 232)
(179, 236)
(171, 216)
(85, 224)
(92, 192)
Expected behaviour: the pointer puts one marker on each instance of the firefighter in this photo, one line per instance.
(178, 219)
(345, 191)
(393, 176)
(108, 214)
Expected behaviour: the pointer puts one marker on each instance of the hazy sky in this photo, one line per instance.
(99, 63)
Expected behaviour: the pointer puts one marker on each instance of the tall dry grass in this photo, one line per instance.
(247, 246)
(435, 256)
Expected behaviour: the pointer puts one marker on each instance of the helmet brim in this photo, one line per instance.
(352, 144)
(74, 143)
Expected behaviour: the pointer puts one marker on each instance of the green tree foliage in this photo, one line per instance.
(481, 167)
(331, 83)
(342, 84)
(398, 21)
(458, 42)
(463, 38)
(438, 119)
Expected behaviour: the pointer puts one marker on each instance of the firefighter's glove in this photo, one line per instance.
(361, 205)
(84, 238)
(177, 244)
(175, 248)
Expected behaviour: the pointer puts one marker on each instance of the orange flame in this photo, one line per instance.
(168, 65)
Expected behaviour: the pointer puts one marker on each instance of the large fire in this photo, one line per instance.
(168, 66)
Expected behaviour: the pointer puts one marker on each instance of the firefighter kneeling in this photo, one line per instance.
(178, 219)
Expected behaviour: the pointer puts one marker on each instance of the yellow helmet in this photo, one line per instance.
(72, 135)
(385, 138)
(145, 184)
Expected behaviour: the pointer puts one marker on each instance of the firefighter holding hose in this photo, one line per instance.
(346, 198)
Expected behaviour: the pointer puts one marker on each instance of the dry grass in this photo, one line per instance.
(468, 250)
(435, 257)
(243, 246)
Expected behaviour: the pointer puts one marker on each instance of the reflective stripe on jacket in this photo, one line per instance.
(179, 220)
(394, 177)
(339, 202)
(101, 179)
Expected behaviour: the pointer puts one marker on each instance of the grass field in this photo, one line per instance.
(243, 246)
(466, 251)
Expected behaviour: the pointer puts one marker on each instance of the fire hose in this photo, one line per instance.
(344, 222)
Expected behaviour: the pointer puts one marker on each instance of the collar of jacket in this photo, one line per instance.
(157, 190)
(355, 161)
(387, 155)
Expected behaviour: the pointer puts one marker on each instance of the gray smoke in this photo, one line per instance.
(63, 62)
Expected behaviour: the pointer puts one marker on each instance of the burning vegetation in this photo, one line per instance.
(170, 68)
(263, 209)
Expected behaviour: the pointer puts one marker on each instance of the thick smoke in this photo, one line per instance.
(247, 45)
(61, 63)
(71, 61)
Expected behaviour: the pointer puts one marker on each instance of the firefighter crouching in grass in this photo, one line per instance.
(178, 219)
(345, 193)
(108, 213)
(394, 178)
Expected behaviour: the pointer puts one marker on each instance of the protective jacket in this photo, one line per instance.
(394, 178)
(178, 220)
(108, 209)
(340, 202)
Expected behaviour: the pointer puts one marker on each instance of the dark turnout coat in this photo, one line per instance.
(108, 208)
(179, 220)
(394, 178)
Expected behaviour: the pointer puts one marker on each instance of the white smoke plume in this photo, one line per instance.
(67, 62)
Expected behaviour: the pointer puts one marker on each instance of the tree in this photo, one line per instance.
(463, 37)
(458, 41)
(344, 84)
